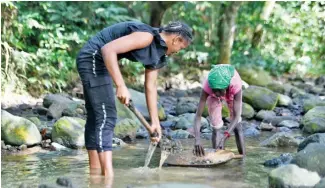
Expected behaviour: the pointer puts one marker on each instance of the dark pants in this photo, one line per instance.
(101, 111)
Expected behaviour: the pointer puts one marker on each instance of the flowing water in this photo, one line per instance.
(151, 150)
(164, 155)
(46, 167)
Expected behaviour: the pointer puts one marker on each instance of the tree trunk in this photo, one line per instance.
(158, 8)
(259, 31)
(227, 31)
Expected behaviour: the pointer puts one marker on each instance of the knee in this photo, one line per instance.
(217, 126)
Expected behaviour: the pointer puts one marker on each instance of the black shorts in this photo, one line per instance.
(101, 111)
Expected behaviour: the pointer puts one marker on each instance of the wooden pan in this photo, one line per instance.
(211, 158)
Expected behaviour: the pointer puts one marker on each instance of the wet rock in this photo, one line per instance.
(320, 81)
(263, 114)
(168, 124)
(57, 147)
(16, 130)
(25, 107)
(181, 134)
(284, 100)
(314, 120)
(315, 138)
(283, 159)
(281, 139)
(206, 136)
(141, 105)
(22, 147)
(69, 131)
(40, 110)
(260, 98)
(118, 142)
(255, 76)
(311, 103)
(276, 87)
(142, 133)
(266, 126)
(35, 120)
(186, 105)
(292, 176)
(65, 182)
(289, 123)
(186, 121)
(247, 111)
(251, 132)
(276, 120)
(126, 130)
(321, 184)
(312, 158)
(282, 129)
(296, 92)
(3, 145)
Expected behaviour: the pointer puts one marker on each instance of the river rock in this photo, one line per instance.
(292, 176)
(260, 98)
(289, 123)
(17, 130)
(247, 111)
(315, 138)
(126, 130)
(283, 159)
(284, 100)
(69, 132)
(281, 139)
(314, 120)
(262, 114)
(312, 158)
(255, 76)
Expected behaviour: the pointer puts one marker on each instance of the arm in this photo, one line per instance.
(151, 98)
(122, 45)
(197, 120)
(237, 111)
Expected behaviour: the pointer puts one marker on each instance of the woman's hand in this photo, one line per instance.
(155, 129)
(123, 94)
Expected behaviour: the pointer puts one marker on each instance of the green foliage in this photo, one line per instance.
(43, 39)
(40, 40)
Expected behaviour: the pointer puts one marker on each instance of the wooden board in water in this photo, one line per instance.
(211, 158)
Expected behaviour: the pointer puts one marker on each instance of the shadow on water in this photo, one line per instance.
(128, 164)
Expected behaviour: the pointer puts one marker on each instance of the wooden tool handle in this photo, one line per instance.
(141, 118)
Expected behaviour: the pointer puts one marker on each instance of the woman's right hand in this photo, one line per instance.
(123, 94)
(198, 149)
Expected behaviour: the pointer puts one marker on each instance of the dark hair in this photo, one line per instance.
(180, 28)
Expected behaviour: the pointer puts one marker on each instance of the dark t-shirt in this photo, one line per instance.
(90, 59)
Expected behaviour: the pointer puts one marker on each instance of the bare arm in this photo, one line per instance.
(136, 40)
(151, 95)
(237, 111)
(197, 120)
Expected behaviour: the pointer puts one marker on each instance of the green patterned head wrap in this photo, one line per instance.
(220, 76)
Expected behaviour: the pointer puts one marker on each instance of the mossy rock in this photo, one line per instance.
(17, 131)
(69, 132)
(247, 111)
(314, 120)
(277, 88)
(260, 98)
(255, 76)
(126, 129)
(312, 102)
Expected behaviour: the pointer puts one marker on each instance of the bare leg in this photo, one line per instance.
(94, 167)
(240, 139)
(105, 159)
(216, 138)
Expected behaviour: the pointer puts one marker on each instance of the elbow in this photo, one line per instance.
(106, 50)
